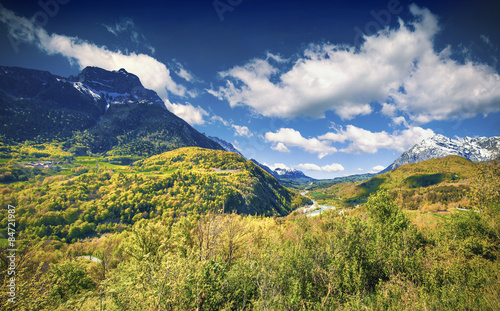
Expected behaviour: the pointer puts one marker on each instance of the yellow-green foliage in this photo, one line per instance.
(96, 198)
(433, 184)
(373, 261)
(42, 151)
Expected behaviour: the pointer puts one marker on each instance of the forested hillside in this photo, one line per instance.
(435, 184)
(372, 258)
(67, 200)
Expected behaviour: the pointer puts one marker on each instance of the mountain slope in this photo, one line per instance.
(438, 146)
(226, 145)
(287, 176)
(38, 105)
(99, 110)
(91, 196)
(257, 192)
(414, 185)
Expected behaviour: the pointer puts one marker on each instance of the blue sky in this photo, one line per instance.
(331, 88)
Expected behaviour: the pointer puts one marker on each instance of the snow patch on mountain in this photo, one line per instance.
(115, 87)
(475, 149)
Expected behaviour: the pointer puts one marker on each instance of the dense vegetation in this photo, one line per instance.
(67, 202)
(376, 257)
(436, 184)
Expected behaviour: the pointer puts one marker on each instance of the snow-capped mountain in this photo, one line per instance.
(290, 173)
(280, 173)
(475, 149)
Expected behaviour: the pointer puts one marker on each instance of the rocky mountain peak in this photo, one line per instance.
(111, 107)
(113, 85)
(475, 149)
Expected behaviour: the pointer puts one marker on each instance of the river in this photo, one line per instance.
(315, 209)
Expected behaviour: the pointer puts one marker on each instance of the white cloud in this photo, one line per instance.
(377, 169)
(242, 131)
(219, 119)
(291, 138)
(398, 65)
(360, 141)
(183, 73)
(486, 40)
(276, 165)
(364, 141)
(189, 113)
(400, 120)
(334, 167)
(309, 167)
(388, 110)
(276, 57)
(152, 73)
(280, 147)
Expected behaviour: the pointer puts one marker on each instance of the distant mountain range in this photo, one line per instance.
(474, 149)
(285, 174)
(98, 110)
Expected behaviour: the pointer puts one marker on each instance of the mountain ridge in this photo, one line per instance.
(98, 110)
(474, 149)
(226, 145)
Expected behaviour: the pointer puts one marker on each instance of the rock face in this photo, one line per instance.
(226, 145)
(102, 110)
(474, 149)
(114, 86)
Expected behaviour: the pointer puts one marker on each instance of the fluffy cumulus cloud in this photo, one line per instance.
(358, 140)
(335, 167)
(287, 137)
(377, 169)
(190, 114)
(242, 131)
(280, 147)
(152, 73)
(397, 67)
(332, 168)
(309, 167)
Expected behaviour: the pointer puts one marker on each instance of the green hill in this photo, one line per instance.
(433, 184)
(74, 200)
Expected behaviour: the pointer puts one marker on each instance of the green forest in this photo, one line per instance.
(433, 185)
(198, 229)
(67, 202)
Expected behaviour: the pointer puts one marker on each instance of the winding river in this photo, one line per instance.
(315, 209)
